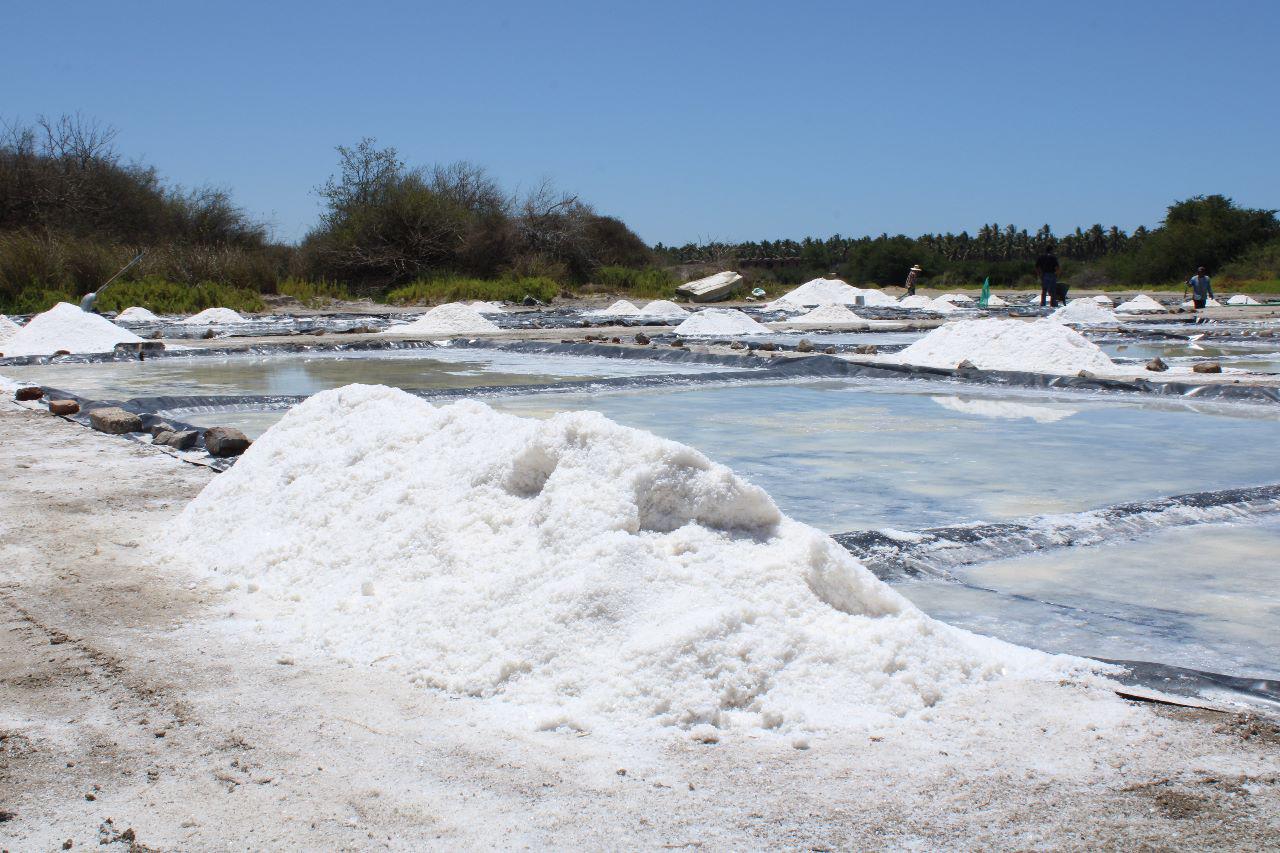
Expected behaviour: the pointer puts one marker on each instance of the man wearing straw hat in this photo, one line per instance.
(911, 279)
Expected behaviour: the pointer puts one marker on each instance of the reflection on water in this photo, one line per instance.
(307, 373)
(1260, 356)
(845, 456)
(1204, 597)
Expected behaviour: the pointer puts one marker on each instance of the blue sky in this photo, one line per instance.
(690, 121)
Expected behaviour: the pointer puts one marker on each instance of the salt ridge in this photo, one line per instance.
(66, 327)
(456, 546)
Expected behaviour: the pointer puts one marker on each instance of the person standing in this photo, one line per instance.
(912, 275)
(1201, 288)
(1047, 268)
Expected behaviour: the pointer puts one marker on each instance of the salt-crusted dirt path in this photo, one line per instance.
(133, 713)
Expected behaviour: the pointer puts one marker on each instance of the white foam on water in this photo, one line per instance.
(453, 318)
(1042, 346)
(1084, 312)
(1004, 409)
(66, 327)
(720, 321)
(137, 314)
(574, 571)
(1139, 304)
(210, 316)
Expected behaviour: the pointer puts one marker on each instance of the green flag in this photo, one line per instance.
(986, 292)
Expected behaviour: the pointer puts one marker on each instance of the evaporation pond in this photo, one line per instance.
(308, 373)
(1205, 597)
(847, 456)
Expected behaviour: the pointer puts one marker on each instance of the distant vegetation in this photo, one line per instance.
(73, 212)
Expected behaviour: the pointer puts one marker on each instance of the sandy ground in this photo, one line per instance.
(135, 713)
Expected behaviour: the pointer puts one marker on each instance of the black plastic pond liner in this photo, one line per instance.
(938, 550)
(1195, 683)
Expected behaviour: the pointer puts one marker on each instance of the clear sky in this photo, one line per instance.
(690, 121)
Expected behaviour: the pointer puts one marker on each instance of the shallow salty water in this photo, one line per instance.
(1204, 597)
(308, 373)
(845, 456)
(1260, 356)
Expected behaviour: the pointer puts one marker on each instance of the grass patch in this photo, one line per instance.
(652, 282)
(167, 297)
(313, 293)
(1272, 286)
(435, 291)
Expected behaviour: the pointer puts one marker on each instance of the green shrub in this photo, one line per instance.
(167, 297)
(312, 293)
(652, 282)
(426, 292)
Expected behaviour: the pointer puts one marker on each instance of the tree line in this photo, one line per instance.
(73, 211)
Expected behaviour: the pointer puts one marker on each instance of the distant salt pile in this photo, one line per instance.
(914, 301)
(828, 314)
(453, 318)
(8, 329)
(1140, 304)
(66, 327)
(1103, 299)
(663, 308)
(621, 308)
(956, 298)
(829, 291)
(942, 306)
(452, 545)
(488, 307)
(1243, 299)
(137, 314)
(210, 316)
(1084, 312)
(1043, 346)
(996, 302)
(1209, 303)
(719, 321)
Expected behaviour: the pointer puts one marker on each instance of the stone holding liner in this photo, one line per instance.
(457, 545)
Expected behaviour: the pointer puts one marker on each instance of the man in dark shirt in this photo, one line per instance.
(1201, 288)
(1047, 269)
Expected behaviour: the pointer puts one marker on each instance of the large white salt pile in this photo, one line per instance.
(942, 306)
(828, 314)
(137, 314)
(720, 321)
(621, 308)
(819, 291)
(452, 318)
(915, 300)
(663, 308)
(1084, 312)
(1139, 304)
(8, 329)
(210, 316)
(66, 327)
(1243, 299)
(579, 572)
(992, 343)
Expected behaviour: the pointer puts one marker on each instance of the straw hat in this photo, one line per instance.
(916, 268)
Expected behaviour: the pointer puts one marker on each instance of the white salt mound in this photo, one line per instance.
(956, 298)
(621, 308)
(210, 316)
(1103, 299)
(996, 302)
(1243, 299)
(720, 321)
(488, 307)
(1043, 346)
(915, 301)
(1084, 312)
(829, 291)
(66, 327)
(829, 314)
(453, 318)
(453, 544)
(137, 314)
(1210, 303)
(1139, 304)
(8, 329)
(942, 306)
(663, 308)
